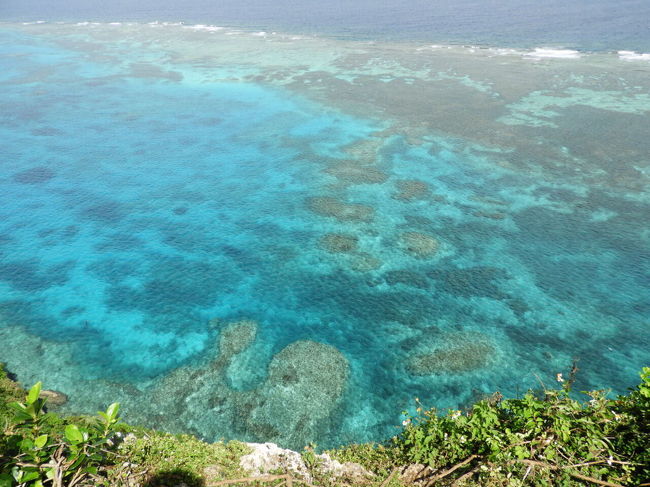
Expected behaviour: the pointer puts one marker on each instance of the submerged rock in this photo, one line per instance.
(339, 243)
(457, 353)
(54, 398)
(418, 244)
(331, 207)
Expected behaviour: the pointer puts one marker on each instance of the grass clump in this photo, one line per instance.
(9, 392)
(158, 458)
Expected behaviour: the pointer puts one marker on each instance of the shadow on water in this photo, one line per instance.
(172, 478)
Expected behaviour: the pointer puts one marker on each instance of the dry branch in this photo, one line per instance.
(451, 470)
(576, 475)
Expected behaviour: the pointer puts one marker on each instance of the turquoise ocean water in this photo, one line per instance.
(271, 236)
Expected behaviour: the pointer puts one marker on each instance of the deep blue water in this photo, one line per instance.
(580, 24)
(287, 238)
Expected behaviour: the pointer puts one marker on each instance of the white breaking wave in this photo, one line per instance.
(505, 51)
(545, 52)
(204, 27)
(634, 56)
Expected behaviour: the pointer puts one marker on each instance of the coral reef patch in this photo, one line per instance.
(336, 243)
(418, 244)
(456, 353)
(350, 172)
(364, 262)
(411, 189)
(344, 212)
(237, 337)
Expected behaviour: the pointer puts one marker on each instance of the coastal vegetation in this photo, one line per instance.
(544, 438)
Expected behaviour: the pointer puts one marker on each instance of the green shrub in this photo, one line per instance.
(551, 440)
(38, 448)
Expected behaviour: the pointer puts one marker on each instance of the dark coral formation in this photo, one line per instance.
(418, 244)
(106, 212)
(31, 276)
(337, 243)
(408, 278)
(456, 354)
(473, 281)
(334, 208)
(35, 175)
(411, 189)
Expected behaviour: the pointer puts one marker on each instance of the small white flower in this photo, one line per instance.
(559, 378)
(455, 415)
(406, 422)
(609, 460)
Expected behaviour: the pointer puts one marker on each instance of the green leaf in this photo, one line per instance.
(26, 444)
(34, 392)
(112, 411)
(40, 441)
(21, 416)
(72, 434)
(17, 473)
(17, 406)
(6, 480)
(29, 476)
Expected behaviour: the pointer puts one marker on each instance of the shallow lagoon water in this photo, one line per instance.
(288, 238)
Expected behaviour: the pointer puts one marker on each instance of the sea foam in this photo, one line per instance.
(545, 52)
(634, 56)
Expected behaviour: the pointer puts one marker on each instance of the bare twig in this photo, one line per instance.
(573, 474)
(451, 470)
(465, 476)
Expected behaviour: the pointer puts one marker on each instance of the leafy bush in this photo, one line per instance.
(38, 448)
(551, 440)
